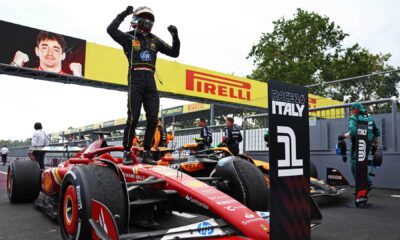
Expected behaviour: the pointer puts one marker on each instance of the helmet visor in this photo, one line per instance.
(142, 24)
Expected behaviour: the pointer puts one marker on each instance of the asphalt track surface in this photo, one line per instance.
(380, 220)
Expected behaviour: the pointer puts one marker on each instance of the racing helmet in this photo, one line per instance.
(143, 19)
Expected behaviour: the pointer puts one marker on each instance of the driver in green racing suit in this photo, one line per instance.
(360, 114)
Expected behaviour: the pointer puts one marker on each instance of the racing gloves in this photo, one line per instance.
(126, 12)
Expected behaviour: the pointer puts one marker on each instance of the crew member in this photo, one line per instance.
(4, 152)
(161, 137)
(232, 136)
(136, 141)
(141, 47)
(205, 133)
(39, 139)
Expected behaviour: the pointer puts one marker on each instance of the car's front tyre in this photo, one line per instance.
(81, 185)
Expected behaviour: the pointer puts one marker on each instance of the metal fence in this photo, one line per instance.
(326, 123)
(50, 159)
(215, 116)
(184, 136)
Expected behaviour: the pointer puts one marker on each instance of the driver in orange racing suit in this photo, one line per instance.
(161, 139)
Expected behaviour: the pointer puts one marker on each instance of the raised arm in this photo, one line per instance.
(176, 44)
(112, 29)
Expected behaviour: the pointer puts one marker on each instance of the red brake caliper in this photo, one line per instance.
(70, 210)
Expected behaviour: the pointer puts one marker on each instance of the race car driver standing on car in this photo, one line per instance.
(232, 136)
(358, 113)
(141, 47)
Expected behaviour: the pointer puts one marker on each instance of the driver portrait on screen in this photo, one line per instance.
(50, 49)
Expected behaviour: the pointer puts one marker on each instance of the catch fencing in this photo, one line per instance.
(326, 123)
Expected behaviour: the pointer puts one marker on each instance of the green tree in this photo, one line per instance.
(356, 61)
(308, 49)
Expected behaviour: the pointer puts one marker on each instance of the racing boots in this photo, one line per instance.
(127, 160)
(147, 157)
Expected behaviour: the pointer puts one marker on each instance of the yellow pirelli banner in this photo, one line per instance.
(109, 65)
(195, 107)
(315, 101)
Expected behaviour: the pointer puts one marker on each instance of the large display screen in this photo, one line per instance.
(41, 50)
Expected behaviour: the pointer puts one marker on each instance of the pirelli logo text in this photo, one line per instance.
(312, 102)
(217, 85)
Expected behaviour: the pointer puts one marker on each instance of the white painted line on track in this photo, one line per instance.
(396, 196)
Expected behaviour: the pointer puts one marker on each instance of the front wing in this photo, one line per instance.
(104, 227)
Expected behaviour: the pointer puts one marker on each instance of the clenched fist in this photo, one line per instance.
(173, 30)
(129, 10)
(76, 69)
(20, 58)
(125, 13)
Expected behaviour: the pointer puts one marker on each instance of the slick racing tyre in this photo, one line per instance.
(23, 181)
(80, 185)
(246, 182)
(313, 171)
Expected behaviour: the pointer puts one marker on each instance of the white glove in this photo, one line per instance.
(20, 59)
(76, 69)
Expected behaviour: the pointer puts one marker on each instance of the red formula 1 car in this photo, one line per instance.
(94, 196)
